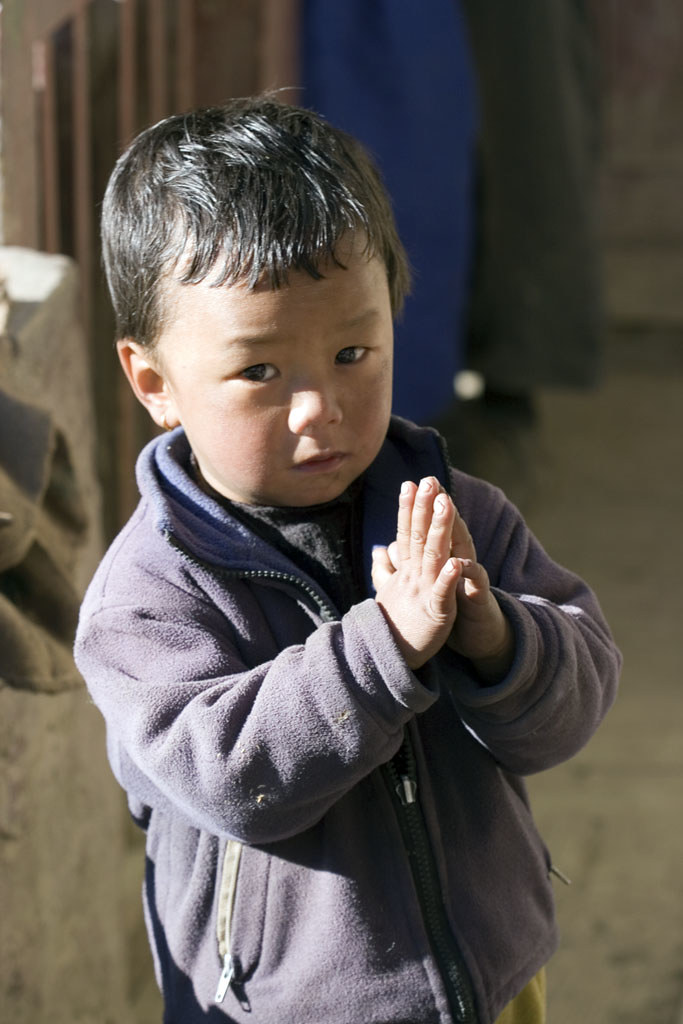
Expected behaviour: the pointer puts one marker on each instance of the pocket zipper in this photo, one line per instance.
(226, 903)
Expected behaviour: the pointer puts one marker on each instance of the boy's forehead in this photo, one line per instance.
(350, 287)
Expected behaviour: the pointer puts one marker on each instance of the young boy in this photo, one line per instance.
(320, 707)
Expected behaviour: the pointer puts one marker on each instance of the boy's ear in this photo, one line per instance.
(148, 383)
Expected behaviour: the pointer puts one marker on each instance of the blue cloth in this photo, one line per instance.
(398, 76)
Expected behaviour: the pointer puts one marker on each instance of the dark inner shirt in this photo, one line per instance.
(323, 540)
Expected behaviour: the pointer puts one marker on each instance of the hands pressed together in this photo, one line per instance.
(433, 591)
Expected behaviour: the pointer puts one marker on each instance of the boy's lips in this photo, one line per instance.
(321, 463)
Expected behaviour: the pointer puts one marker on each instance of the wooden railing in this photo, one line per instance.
(79, 79)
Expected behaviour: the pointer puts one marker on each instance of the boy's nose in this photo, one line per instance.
(312, 408)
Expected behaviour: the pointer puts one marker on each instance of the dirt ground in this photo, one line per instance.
(607, 502)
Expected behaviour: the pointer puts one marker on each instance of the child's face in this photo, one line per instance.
(285, 395)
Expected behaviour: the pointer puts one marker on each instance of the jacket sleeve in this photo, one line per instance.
(254, 753)
(565, 673)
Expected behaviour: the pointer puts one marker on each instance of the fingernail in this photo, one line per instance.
(425, 486)
(405, 487)
(450, 565)
(440, 505)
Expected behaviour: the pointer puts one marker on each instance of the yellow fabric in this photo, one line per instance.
(529, 1006)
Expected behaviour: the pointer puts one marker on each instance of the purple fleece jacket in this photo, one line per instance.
(247, 723)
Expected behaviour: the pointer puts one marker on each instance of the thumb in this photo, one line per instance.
(382, 568)
(394, 556)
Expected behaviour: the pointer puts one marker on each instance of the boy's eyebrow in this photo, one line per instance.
(359, 320)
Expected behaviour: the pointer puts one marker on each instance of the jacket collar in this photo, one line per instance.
(188, 516)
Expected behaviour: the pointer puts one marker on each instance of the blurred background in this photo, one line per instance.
(534, 152)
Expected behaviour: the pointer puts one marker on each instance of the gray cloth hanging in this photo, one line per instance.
(536, 312)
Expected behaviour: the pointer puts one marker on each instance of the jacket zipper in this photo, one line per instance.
(327, 613)
(401, 775)
(226, 903)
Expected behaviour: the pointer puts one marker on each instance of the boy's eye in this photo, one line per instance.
(351, 354)
(260, 372)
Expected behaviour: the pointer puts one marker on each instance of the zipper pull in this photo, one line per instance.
(225, 979)
(552, 870)
(407, 790)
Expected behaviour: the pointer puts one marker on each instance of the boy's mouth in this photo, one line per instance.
(323, 462)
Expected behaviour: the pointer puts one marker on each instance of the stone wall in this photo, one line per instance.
(62, 824)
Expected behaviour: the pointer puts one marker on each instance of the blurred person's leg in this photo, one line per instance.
(536, 317)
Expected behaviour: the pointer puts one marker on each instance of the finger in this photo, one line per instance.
(442, 602)
(382, 568)
(462, 545)
(421, 519)
(405, 513)
(474, 582)
(437, 548)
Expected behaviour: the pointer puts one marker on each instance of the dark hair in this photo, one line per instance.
(252, 190)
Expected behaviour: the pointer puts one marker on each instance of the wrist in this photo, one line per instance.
(494, 666)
